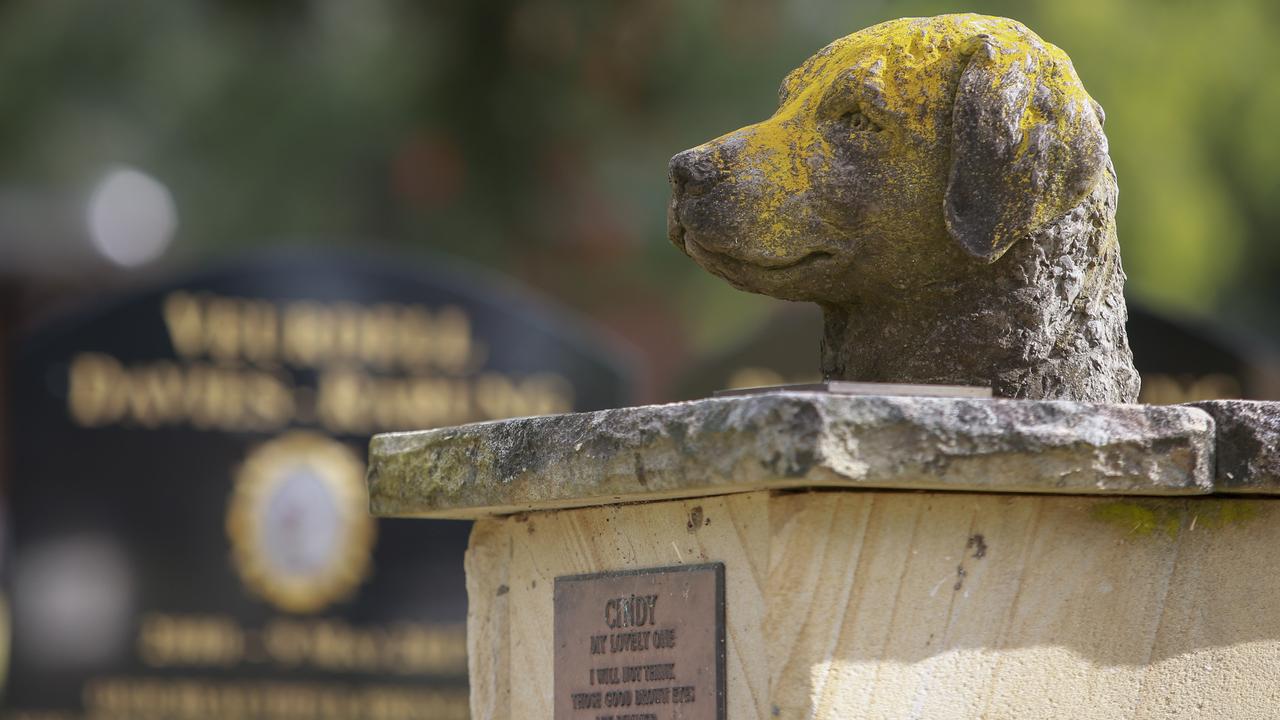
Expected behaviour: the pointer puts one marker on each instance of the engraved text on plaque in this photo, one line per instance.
(641, 644)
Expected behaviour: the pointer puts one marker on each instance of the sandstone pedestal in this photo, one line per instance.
(884, 557)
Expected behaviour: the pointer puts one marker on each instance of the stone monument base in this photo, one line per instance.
(1109, 581)
(920, 605)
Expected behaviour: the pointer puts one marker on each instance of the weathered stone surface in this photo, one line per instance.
(788, 440)
(941, 187)
(1248, 445)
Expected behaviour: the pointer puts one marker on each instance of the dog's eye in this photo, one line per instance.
(857, 122)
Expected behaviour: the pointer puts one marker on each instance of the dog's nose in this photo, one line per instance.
(691, 172)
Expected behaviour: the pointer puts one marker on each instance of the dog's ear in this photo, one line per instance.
(1026, 145)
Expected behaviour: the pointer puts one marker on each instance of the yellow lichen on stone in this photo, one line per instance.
(903, 74)
(1172, 517)
(941, 187)
(1216, 514)
(1141, 518)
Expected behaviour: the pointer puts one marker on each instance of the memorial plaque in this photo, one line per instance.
(641, 644)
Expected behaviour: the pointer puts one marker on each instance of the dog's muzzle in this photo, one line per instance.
(691, 173)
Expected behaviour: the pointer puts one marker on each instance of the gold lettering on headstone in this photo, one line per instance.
(329, 644)
(229, 374)
(1167, 389)
(101, 390)
(191, 699)
(311, 334)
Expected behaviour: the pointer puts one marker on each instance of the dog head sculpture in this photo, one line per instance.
(941, 186)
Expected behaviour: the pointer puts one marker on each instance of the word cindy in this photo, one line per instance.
(631, 611)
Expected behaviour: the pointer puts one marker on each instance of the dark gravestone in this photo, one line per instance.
(1182, 360)
(780, 351)
(191, 536)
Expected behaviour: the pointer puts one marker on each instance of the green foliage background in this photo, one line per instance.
(533, 136)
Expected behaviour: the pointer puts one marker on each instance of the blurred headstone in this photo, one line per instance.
(191, 535)
(1179, 360)
(783, 350)
(1182, 360)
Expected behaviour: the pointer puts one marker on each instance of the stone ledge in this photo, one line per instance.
(1248, 445)
(791, 440)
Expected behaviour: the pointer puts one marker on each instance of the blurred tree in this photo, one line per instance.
(532, 135)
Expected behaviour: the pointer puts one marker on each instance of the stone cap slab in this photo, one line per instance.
(1248, 445)
(791, 440)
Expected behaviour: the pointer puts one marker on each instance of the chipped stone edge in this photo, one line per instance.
(1237, 472)
(792, 441)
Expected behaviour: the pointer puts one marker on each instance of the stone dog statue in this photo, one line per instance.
(941, 187)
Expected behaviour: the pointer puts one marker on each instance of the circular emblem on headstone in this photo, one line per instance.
(298, 519)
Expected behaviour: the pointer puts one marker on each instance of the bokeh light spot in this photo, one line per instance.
(131, 217)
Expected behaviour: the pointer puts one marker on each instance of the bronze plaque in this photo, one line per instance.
(641, 644)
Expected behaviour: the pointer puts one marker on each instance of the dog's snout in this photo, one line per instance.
(691, 172)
